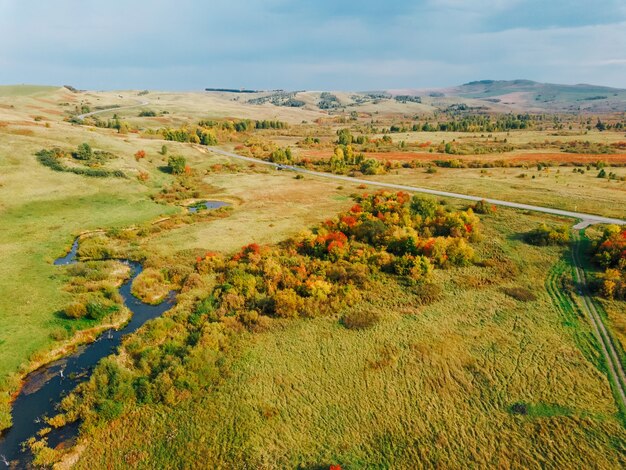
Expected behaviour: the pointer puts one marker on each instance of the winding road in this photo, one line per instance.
(585, 219)
(92, 113)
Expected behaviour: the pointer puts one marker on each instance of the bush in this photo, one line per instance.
(75, 310)
(424, 206)
(83, 152)
(360, 319)
(176, 164)
(51, 159)
(520, 293)
(288, 303)
(483, 207)
(428, 293)
(98, 309)
(544, 236)
(519, 408)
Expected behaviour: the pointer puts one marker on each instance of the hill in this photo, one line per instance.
(527, 95)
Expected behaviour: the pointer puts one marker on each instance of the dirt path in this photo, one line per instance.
(614, 364)
(139, 103)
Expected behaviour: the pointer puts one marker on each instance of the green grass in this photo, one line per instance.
(25, 90)
(427, 384)
(430, 384)
(556, 188)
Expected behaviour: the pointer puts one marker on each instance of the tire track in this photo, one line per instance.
(614, 364)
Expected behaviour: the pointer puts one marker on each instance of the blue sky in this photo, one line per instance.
(315, 45)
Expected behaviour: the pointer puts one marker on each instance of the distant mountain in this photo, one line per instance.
(527, 95)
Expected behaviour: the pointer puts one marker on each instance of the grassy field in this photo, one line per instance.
(559, 188)
(432, 384)
(41, 211)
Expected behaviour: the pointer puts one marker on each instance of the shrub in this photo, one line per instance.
(519, 408)
(520, 293)
(544, 235)
(610, 253)
(176, 164)
(424, 206)
(83, 152)
(360, 319)
(483, 207)
(288, 303)
(52, 159)
(428, 293)
(75, 310)
(99, 308)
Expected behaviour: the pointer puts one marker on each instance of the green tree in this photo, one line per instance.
(176, 164)
(424, 206)
(370, 167)
(84, 152)
(344, 137)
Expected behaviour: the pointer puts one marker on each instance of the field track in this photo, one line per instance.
(615, 368)
(92, 113)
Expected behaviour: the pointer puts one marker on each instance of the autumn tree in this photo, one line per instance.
(176, 164)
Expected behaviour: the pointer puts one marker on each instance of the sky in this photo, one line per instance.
(312, 44)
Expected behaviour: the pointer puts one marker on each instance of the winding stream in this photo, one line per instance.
(44, 388)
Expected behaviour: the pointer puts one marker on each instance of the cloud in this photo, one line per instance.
(325, 44)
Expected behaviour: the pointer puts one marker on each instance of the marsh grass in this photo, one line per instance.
(476, 377)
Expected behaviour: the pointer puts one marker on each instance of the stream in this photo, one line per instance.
(44, 388)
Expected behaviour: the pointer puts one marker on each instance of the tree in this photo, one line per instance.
(370, 167)
(206, 137)
(140, 154)
(344, 137)
(84, 151)
(424, 206)
(176, 164)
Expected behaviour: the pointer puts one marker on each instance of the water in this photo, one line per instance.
(44, 388)
(207, 205)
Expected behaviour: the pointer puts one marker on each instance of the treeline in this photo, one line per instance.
(205, 132)
(280, 98)
(471, 123)
(610, 253)
(197, 135)
(177, 356)
(116, 123)
(242, 125)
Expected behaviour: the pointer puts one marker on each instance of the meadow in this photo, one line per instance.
(558, 187)
(486, 374)
(477, 377)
